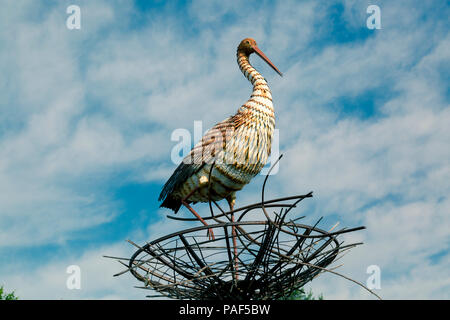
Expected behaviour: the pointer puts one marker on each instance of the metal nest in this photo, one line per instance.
(270, 259)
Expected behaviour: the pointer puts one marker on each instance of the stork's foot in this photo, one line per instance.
(210, 234)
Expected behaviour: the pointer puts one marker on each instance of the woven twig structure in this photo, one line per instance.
(273, 256)
(249, 258)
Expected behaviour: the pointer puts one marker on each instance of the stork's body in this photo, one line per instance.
(237, 147)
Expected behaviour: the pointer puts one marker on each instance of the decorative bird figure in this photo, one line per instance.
(237, 148)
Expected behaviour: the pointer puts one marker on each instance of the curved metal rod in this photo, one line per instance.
(251, 206)
(263, 207)
(263, 189)
(281, 205)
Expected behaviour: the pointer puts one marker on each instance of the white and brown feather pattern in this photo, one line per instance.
(238, 147)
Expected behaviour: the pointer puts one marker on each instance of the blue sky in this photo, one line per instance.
(87, 117)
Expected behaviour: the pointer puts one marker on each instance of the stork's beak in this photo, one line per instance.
(263, 56)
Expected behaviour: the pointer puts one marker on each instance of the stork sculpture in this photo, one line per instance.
(237, 148)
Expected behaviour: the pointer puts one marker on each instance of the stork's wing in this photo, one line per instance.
(203, 152)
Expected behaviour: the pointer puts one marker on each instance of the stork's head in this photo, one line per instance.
(248, 46)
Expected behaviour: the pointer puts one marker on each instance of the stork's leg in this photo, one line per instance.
(231, 201)
(186, 204)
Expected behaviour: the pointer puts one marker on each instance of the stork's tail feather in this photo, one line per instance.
(180, 175)
(171, 203)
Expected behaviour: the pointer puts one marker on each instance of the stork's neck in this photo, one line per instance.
(261, 97)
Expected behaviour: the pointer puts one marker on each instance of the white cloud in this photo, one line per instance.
(96, 277)
(401, 241)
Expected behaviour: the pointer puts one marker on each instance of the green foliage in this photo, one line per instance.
(7, 296)
(300, 294)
